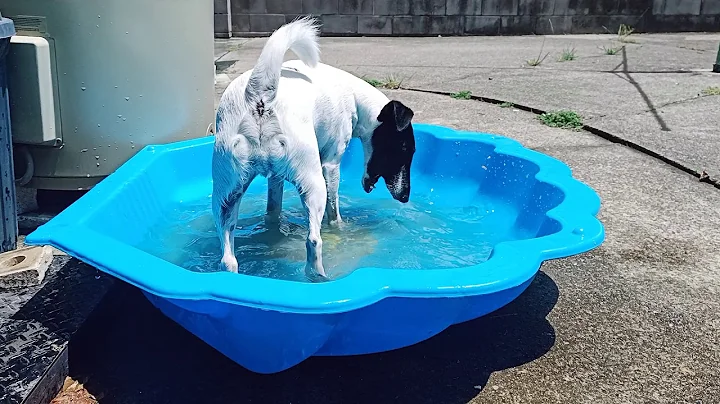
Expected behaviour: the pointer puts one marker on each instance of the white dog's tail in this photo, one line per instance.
(300, 36)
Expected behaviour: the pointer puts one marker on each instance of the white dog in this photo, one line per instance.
(292, 122)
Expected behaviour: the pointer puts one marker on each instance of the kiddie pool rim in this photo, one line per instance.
(511, 263)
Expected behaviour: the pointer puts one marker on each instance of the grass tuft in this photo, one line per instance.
(611, 50)
(567, 55)
(537, 61)
(711, 91)
(373, 82)
(562, 119)
(624, 33)
(462, 95)
(391, 82)
(540, 58)
(507, 105)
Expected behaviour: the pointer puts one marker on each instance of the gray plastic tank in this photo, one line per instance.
(93, 81)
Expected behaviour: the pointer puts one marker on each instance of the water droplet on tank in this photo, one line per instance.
(126, 32)
(127, 98)
(124, 119)
(97, 157)
(98, 26)
(98, 164)
(83, 150)
(140, 95)
(115, 86)
(83, 88)
(98, 125)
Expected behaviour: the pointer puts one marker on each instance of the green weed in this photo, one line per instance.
(562, 119)
(711, 91)
(462, 95)
(567, 55)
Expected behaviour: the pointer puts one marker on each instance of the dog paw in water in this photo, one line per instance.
(272, 219)
(315, 277)
(228, 266)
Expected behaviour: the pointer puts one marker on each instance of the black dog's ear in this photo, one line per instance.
(395, 111)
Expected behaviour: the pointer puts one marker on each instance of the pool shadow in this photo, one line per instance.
(130, 353)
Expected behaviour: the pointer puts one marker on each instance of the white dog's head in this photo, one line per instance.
(393, 148)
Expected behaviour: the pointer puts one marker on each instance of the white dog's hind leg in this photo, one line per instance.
(331, 173)
(225, 212)
(274, 198)
(228, 190)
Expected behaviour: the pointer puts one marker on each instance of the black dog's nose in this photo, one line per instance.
(404, 197)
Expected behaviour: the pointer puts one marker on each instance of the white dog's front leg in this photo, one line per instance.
(331, 172)
(314, 195)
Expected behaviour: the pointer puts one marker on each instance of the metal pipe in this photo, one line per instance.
(8, 199)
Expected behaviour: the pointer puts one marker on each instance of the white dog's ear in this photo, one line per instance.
(396, 112)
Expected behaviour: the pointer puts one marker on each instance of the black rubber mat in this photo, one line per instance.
(36, 324)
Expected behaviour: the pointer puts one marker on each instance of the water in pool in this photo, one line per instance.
(376, 232)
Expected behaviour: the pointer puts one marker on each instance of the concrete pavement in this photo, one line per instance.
(650, 92)
(634, 321)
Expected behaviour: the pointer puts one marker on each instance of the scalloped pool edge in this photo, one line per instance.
(511, 264)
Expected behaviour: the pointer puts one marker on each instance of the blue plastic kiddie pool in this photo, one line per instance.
(510, 209)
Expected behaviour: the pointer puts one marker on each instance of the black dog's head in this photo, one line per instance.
(393, 147)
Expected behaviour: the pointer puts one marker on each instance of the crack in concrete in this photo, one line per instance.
(221, 56)
(701, 176)
(539, 68)
(680, 101)
(663, 105)
(576, 147)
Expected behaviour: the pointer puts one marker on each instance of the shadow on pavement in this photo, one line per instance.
(646, 98)
(128, 352)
